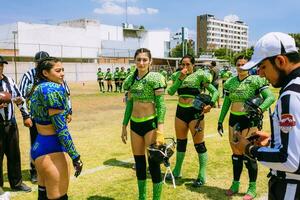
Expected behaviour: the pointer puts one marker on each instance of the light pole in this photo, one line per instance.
(15, 54)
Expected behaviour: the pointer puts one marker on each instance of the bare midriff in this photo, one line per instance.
(45, 129)
(143, 109)
(237, 107)
(186, 100)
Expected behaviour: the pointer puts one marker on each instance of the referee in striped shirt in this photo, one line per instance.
(278, 59)
(25, 86)
(9, 133)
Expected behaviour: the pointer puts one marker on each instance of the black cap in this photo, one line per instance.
(40, 55)
(3, 61)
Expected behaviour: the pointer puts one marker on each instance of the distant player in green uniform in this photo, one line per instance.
(145, 109)
(123, 76)
(225, 74)
(238, 89)
(188, 84)
(100, 79)
(163, 72)
(116, 77)
(108, 77)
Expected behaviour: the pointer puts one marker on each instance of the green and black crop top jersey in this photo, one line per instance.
(241, 90)
(144, 89)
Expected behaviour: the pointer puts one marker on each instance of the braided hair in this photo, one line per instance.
(43, 64)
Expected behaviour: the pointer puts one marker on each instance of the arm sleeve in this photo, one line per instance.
(226, 103)
(225, 108)
(60, 124)
(214, 92)
(174, 87)
(128, 111)
(269, 99)
(160, 108)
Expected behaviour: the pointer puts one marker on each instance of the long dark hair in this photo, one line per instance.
(45, 64)
(192, 59)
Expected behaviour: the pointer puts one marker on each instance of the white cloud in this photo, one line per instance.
(135, 10)
(115, 7)
(151, 11)
(110, 8)
(231, 18)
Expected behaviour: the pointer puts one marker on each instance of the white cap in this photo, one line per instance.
(271, 44)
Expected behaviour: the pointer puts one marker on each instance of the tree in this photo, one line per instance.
(177, 51)
(296, 36)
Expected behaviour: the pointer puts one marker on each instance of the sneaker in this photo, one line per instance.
(251, 192)
(197, 183)
(33, 178)
(23, 187)
(234, 188)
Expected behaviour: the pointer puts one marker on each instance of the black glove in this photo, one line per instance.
(220, 129)
(77, 164)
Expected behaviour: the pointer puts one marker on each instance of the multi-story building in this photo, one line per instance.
(213, 33)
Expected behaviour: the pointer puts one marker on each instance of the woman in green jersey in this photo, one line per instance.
(189, 84)
(237, 91)
(145, 108)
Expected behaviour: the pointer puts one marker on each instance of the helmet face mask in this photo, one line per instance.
(252, 105)
(162, 153)
(201, 101)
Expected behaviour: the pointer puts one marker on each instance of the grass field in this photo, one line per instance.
(107, 173)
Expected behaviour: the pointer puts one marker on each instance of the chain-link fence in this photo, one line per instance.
(63, 51)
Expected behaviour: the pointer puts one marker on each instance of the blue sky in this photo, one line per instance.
(262, 16)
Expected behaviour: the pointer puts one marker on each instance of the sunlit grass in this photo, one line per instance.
(96, 130)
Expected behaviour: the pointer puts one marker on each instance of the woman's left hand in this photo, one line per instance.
(206, 108)
(124, 134)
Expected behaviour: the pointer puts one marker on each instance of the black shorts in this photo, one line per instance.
(188, 114)
(243, 121)
(122, 79)
(141, 128)
(108, 79)
(117, 79)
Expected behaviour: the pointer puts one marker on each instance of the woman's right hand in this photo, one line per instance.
(183, 74)
(77, 164)
(124, 134)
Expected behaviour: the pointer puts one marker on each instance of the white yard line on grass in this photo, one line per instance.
(96, 169)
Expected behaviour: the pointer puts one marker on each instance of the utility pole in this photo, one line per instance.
(126, 14)
(15, 55)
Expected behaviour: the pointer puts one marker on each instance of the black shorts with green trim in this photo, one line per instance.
(188, 114)
(142, 128)
(244, 121)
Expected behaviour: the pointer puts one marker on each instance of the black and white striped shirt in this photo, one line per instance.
(28, 78)
(8, 113)
(283, 157)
